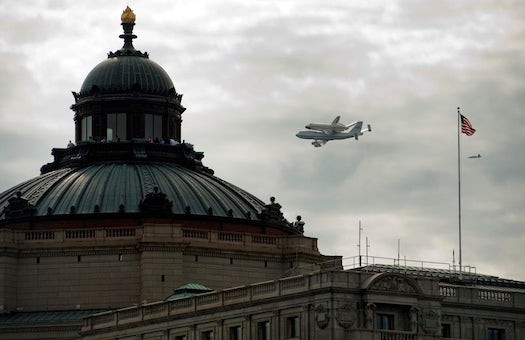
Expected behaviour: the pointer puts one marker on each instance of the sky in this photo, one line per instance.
(254, 73)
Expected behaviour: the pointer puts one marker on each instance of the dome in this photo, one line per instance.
(124, 73)
(128, 181)
(127, 96)
(108, 188)
(127, 69)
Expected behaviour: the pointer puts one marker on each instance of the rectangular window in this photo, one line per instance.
(446, 330)
(385, 321)
(153, 126)
(495, 334)
(121, 126)
(292, 327)
(180, 337)
(207, 335)
(263, 330)
(87, 128)
(235, 333)
(116, 127)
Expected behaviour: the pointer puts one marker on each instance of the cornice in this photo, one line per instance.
(236, 255)
(164, 247)
(9, 251)
(12, 328)
(76, 252)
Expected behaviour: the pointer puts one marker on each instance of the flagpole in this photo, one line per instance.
(459, 190)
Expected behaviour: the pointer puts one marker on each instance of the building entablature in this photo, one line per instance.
(152, 236)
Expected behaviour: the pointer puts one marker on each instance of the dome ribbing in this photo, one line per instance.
(126, 73)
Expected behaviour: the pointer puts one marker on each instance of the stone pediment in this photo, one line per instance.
(392, 282)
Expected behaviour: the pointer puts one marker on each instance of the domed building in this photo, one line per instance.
(128, 212)
(127, 235)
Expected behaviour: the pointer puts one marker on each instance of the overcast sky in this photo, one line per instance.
(254, 73)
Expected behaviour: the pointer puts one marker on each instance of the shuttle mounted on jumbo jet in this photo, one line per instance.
(327, 132)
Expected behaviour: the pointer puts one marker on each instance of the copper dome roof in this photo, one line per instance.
(135, 179)
(108, 187)
(127, 69)
(124, 73)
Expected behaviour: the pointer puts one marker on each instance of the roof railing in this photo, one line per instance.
(354, 262)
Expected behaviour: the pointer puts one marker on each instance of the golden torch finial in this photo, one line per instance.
(128, 16)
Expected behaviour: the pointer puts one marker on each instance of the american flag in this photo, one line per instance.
(466, 127)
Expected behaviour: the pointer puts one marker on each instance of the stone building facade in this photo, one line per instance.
(105, 268)
(58, 273)
(395, 303)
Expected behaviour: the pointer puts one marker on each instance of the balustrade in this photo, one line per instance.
(39, 235)
(494, 295)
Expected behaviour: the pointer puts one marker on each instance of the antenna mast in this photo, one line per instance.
(398, 246)
(367, 246)
(359, 244)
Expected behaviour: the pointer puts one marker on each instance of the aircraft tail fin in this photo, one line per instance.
(368, 129)
(336, 120)
(356, 127)
(359, 133)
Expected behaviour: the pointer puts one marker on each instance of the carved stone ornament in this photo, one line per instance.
(346, 315)
(321, 316)
(414, 316)
(431, 322)
(394, 284)
(369, 315)
(19, 207)
(271, 214)
(155, 202)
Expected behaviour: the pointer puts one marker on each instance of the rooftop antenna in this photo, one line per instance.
(359, 244)
(367, 246)
(398, 246)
